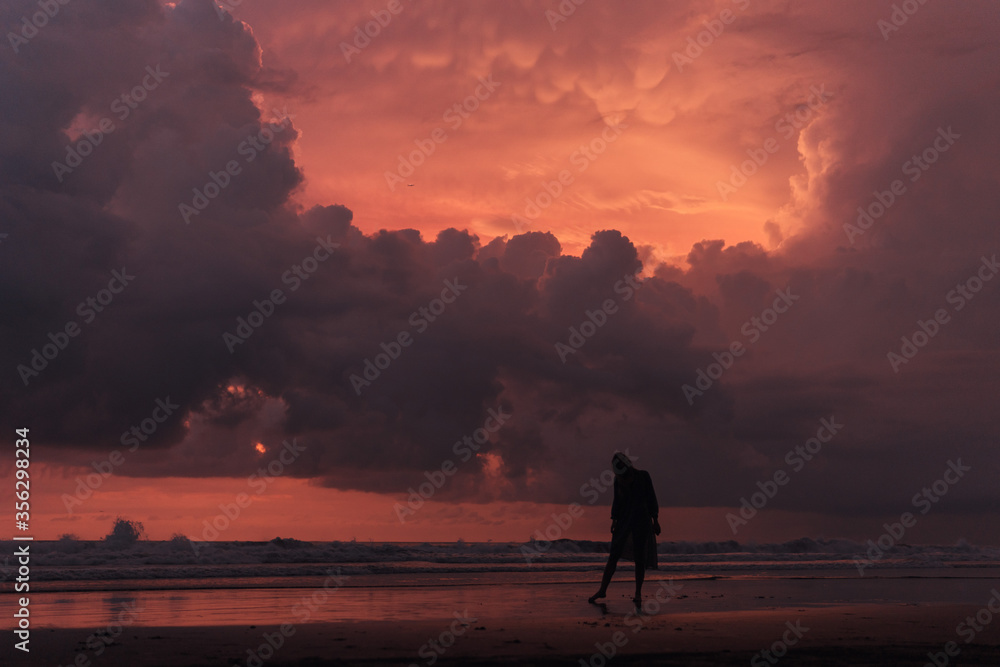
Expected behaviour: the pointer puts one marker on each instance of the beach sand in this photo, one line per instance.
(839, 634)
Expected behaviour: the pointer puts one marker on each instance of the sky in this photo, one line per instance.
(408, 271)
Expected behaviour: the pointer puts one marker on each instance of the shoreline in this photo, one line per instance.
(843, 634)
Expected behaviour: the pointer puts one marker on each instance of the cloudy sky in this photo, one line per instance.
(482, 246)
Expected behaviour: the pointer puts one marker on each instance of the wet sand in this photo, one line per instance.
(840, 636)
(672, 633)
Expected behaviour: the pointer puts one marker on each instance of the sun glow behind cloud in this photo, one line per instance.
(539, 146)
(687, 125)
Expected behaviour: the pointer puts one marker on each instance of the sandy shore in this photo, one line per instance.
(866, 634)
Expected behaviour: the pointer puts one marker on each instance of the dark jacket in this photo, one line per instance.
(635, 503)
(633, 509)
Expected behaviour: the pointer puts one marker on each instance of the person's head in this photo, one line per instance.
(621, 464)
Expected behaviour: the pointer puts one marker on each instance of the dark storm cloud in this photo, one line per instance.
(348, 297)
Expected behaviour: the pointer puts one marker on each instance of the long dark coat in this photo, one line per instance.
(633, 509)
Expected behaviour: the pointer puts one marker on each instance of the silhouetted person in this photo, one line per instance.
(634, 514)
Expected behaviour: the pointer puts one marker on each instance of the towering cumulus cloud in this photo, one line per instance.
(160, 285)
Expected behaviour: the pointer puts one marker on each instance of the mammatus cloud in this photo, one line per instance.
(172, 266)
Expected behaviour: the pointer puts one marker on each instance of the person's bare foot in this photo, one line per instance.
(637, 601)
(596, 596)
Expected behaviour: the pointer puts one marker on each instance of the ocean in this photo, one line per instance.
(173, 583)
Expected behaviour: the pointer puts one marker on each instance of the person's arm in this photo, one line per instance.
(654, 507)
(616, 505)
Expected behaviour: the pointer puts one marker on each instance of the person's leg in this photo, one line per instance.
(639, 542)
(615, 552)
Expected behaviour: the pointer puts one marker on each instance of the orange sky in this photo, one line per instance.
(607, 120)
(296, 508)
(682, 128)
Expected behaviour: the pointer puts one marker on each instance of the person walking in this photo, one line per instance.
(634, 519)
